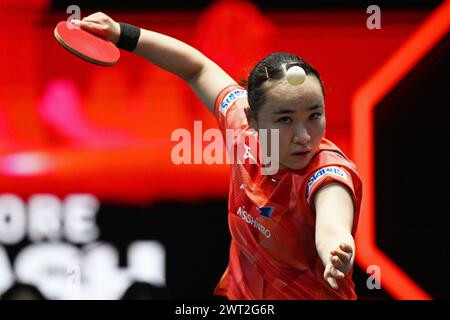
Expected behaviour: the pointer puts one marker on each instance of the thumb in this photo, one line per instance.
(76, 22)
(329, 278)
(332, 282)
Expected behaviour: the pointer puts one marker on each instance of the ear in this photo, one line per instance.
(251, 121)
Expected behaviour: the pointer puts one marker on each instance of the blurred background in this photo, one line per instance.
(91, 205)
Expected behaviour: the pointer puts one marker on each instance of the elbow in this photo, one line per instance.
(192, 75)
(195, 70)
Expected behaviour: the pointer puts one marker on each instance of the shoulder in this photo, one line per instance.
(230, 108)
(329, 165)
(330, 155)
(228, 96)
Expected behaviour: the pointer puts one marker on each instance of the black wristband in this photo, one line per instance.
(129, 36)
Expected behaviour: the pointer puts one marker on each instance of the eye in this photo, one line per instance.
(284, 120)
(315, 116)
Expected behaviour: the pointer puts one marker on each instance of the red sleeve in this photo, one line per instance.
(229, 108)
(327, 175)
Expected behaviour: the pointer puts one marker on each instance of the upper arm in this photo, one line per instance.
(208, 82)
(334, 209)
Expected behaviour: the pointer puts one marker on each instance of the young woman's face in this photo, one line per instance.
(298, 111)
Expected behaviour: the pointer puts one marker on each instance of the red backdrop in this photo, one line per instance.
(69, 126)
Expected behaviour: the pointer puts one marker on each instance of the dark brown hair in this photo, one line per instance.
(271, 67)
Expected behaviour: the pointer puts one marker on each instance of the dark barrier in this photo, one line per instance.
(412, 134)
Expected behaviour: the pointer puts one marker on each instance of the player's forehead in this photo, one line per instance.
(280, 94)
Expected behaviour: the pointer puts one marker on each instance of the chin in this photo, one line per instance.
(297, 166)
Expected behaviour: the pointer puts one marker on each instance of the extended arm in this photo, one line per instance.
(334, 241)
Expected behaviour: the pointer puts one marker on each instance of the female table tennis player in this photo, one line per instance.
(292, 231)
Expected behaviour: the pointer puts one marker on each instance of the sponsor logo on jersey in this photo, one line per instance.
(253, 222)
(266, 211)
(230, 98)
(319, 174)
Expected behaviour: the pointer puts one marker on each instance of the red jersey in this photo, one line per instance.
(272, 221)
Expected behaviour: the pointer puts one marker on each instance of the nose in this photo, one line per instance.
(301, 136)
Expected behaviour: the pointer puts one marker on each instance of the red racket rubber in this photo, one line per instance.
(86, 45)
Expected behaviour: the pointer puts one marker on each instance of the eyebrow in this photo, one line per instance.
(317, 106)
(282, 111)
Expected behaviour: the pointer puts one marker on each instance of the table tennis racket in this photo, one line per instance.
(86, 45)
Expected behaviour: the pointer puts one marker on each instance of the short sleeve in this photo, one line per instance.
(230, 107)
(327, 175)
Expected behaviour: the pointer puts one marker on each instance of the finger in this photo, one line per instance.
(327, 270)
(88, 25)
(76, 22)
(91, 27)
(96, 19)
(336, 262)
(346, 248)
(332, 282)
(83, 23)
(333, 272)
(342, 256)
(336, 273)
(340, 269)
(95, 16)
(92, 20)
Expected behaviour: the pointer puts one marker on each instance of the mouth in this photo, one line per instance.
(301, 153)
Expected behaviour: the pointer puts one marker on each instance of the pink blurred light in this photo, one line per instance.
(61, 108)
(25, 164)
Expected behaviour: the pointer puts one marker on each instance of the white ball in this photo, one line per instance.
(296, 75)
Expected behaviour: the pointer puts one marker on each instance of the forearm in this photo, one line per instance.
(170, 54)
